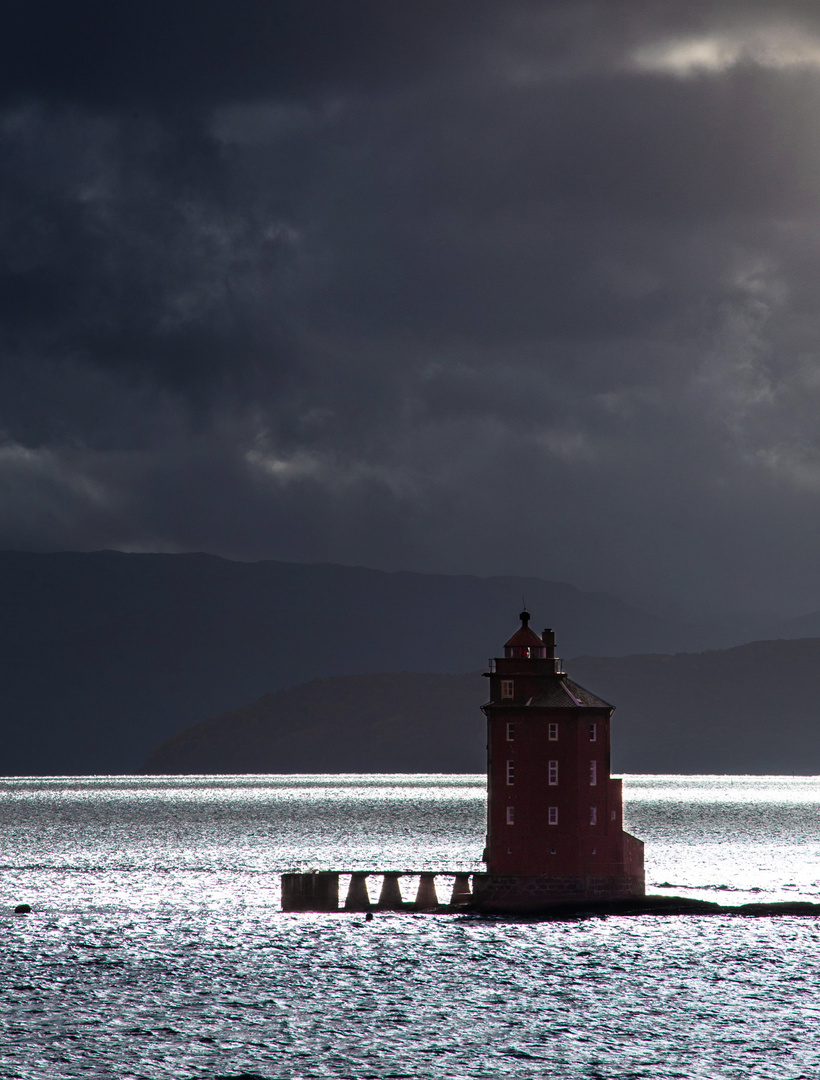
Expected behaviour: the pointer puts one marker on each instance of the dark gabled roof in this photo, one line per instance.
(581, 696)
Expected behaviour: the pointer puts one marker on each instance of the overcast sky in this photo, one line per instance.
(512, 287)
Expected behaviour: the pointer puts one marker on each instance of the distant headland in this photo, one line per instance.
(108, 657)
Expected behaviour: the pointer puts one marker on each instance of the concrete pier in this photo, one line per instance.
(319, 891)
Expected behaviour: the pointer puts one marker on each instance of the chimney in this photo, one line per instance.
(548, 637)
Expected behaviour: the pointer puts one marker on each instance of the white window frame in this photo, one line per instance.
(593, 773)
(511, 815)
(593, 815)
(510, 731)
(552, 773)
(508, 688)
(510, 772)
(552, 732)
(552, 815)
(593, 732)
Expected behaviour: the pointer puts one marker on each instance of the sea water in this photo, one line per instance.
(156, 947)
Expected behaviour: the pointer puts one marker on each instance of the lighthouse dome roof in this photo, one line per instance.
(524, 638)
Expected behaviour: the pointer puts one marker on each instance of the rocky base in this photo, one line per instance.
(659, 905)
(645, 905)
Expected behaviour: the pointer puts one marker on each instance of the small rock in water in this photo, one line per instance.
(369, 917)
(22, 909)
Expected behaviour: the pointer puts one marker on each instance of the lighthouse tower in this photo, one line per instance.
(554, 814)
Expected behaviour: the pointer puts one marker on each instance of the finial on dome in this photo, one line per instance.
(524, 617)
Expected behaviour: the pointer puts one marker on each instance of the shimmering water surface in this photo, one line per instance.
(156, 947)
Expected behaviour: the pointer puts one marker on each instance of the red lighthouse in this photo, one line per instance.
(554, 814)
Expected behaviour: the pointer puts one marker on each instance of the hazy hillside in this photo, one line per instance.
(105, 655)
(751, 709)
(351, 723)
(754, 708)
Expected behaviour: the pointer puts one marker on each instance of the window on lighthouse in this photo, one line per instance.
(552, 815)
(593, 773)
(510, 732)
(553, 732)
(510, 815)
(510, 772)
(593, 815)
(507, 688)
(593, 732)
(552, 773)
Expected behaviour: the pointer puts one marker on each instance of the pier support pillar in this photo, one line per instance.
(426, 896)
(461, 890)
(358, 898)
(390, 896)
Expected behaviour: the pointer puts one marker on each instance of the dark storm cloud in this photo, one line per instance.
(169, 55)
(457, 286)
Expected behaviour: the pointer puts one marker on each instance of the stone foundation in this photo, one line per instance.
(517, 893)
